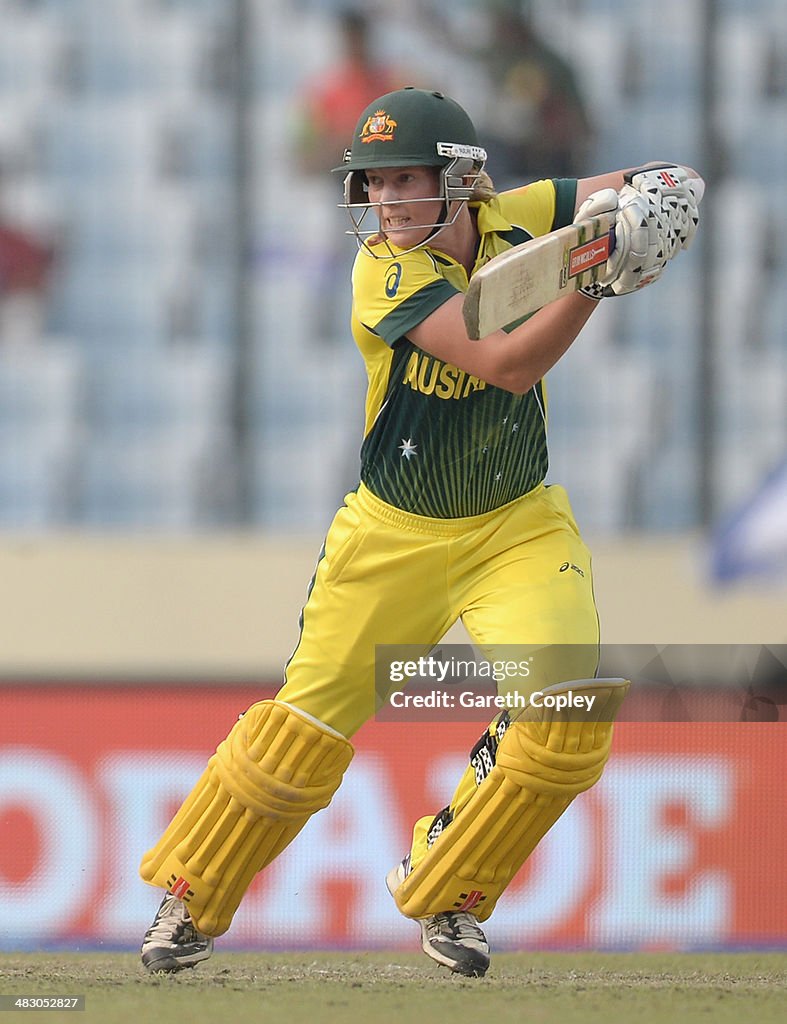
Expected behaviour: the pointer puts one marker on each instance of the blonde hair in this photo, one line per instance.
(483, 189)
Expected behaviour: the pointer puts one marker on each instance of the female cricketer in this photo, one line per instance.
(451, 520)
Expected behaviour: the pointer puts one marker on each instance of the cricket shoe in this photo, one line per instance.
(452, 939)
(172, 943)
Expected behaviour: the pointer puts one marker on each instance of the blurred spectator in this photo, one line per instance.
(537, 122)
(327, 112)
(329, 103)
(25, 266)
(327, 109)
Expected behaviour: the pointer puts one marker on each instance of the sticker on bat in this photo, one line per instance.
(589, 254)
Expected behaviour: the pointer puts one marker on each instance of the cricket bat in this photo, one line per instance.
(537, 272)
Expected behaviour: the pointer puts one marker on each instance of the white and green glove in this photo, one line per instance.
(657, 216)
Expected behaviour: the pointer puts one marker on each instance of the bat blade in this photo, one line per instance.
(530, 275)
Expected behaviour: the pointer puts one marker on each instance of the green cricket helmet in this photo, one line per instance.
(412, 128)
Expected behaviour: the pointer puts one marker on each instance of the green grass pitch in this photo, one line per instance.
(383, 988)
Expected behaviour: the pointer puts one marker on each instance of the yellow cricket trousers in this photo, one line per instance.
(518, 575)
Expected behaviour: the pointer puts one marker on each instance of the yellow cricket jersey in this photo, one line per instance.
(438, 441)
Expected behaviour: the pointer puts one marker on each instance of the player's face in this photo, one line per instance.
(407, 202)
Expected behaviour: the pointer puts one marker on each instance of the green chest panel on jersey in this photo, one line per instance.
(439, 442)
(446, 444)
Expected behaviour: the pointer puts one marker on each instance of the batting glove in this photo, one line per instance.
(606, 200)
(676, 194)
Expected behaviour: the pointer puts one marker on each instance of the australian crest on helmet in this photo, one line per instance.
(379, 127)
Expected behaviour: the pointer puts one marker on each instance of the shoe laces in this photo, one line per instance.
(461, 927)
(172, 919)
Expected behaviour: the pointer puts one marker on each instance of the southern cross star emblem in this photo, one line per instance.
(408, 449)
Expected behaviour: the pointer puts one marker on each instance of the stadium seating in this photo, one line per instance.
(116, 135)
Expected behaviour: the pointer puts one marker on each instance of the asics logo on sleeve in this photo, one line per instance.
(392, 280)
